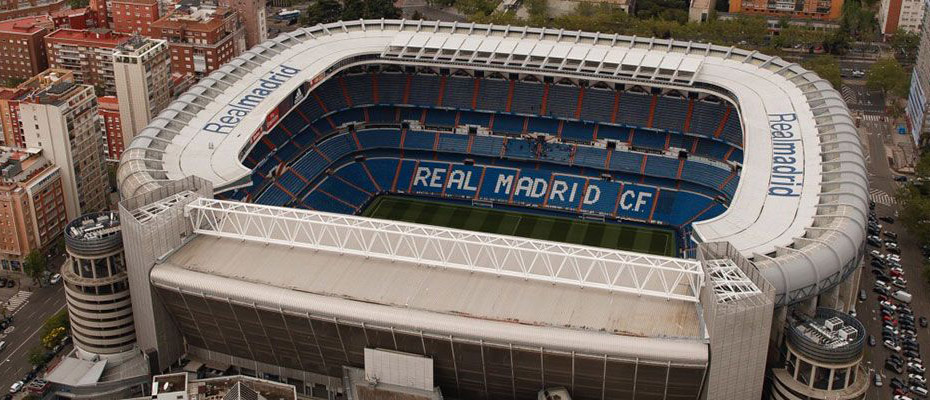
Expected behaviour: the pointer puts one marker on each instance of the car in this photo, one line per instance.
(871, 340)
(901, 397)
(886, 218)
(918, 390)
(862, 295)
(877, 254)
(893, 257)
(881, 290)
(16, 386)
(915, 367)
(873, 242)
(896, 368)
(910, 353)
(893, 250)
(890, 234)
(890, 345)
(877, 380)
(55, 279)
(10, 283)
(887, 303)
(901, 283)
(923, 321)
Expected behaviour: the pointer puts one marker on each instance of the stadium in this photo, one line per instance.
(510, 209)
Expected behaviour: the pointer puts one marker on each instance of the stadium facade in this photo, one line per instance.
(244, 247)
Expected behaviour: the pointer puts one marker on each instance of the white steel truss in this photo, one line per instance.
(729, 282)
(557, 263)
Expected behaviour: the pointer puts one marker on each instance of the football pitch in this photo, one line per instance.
(614, 236)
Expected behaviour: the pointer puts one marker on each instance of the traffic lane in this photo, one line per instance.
(28, 321)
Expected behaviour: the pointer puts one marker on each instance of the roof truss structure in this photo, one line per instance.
(556, 263)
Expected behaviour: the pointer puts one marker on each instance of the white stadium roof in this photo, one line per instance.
(798, 213)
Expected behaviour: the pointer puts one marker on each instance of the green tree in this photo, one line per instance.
(36, 356)
(914, 211)
(35, 264)
(828, 68)
(377, 9)
(56, 321)
(75, 4)
(887, 75)
(905, 44)
(11, 82)
(321, 12)
(353, 9)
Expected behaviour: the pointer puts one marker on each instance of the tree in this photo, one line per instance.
(914, 212)
(11, 82)
(828, 68)
(353, 9)
(905, 44)
(377, 9)
(75, 4)
(36, 356)
(321, 12)
(887, 75)
(59, 320)
(34, 265)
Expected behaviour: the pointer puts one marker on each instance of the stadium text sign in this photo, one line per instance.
(787, 156)
(226, 120)
(533, 187)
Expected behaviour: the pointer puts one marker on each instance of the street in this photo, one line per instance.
(876, 135)
(43, 303)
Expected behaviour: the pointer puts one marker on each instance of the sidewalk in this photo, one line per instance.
(902, 149)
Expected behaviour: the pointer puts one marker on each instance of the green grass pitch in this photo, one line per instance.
(614, 236)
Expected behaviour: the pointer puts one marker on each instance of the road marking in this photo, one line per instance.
(881, 197)
(17, 301)
(30, 336)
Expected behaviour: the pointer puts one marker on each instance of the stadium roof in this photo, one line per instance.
(382, 292)
(799, 210)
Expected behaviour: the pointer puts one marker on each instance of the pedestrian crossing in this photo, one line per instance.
(871, 117)
(18, 300)
(880, 197)
(849, 95)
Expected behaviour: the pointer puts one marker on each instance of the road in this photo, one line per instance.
(28, 320)
(875, 135)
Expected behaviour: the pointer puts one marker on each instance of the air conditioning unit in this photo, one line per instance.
(848, 333)
(833, 324)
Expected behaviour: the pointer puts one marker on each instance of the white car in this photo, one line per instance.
(891, 345)
(916, 367)
(918, 378)
(55, 279)
(920, 391)
(893, 257)
(15, 387)
(877, 254)
(887, 303)
(901, 397)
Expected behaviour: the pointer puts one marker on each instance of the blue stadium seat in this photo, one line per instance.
(649, 139)
(562, 101)
(597, 105)
(344, 192)
(474, 118)
(665, 167)
(458, 92)
(706, 117)
(442, 118)
(590, 156)
(487, 146)
(705, 174)
(382, 115)
(424, 90)
(359, 87)
(348, 116)
(273, 196)
(527, 97)
(634, 109)
(318, 201)
(670, 113)
(419, 140)
(613, 132)
(453, 142)
(625, 161)
(492, 94)
(549, 126)
(732, 131)
(508, 123)
(579, 131)
(383, 170)
(330, 92)
(379, 138)
(355, 173)
(521, 148)
(391, 88)
(712, 149)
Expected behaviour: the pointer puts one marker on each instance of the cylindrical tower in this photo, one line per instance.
(822, 358)
(96, 286)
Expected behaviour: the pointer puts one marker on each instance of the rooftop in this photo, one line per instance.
(26, 25)
(20, 165)
(135, 45)
(198, 18)
(110, 103)
(226, 387)
(93, 37)
(94, 226)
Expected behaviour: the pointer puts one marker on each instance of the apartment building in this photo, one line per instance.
(134, 16)
(254, 19)
(32, 205)
(61, 119)
(143, 77)
(201, 37)
(795, 9)
(905, 15)
(88, 53)
(10, 99)
(22, 49)
(108, 110)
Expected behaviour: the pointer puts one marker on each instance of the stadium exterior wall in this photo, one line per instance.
(146, 238)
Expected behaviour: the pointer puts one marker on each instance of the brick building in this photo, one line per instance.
(108, 109)
(801, 9)
(254, 20)
(88, 53)
(32, 205)
(22, 49)
(134, 16)
(201, 38)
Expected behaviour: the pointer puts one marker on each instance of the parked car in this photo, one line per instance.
(886, 218)
(916, 378)
(877, 380)
(918, 390)
(871, 340)
(55, 279)
(916, 367)
(16, 386)
(923, 322)
(890, 234)
(862, 295)
(890, 345)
